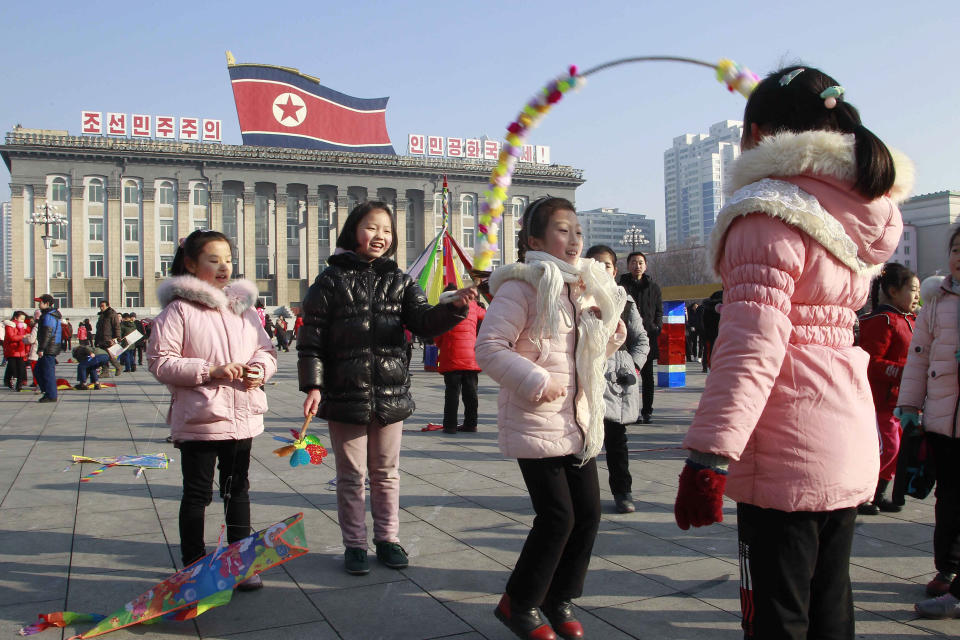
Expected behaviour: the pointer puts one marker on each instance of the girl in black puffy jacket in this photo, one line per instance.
(353, 367)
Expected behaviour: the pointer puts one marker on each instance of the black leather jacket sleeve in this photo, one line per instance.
(311, 339)
(425, 320)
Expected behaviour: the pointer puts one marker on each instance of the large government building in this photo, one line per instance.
(127, 202)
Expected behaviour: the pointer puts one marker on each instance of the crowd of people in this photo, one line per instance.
(797, 424)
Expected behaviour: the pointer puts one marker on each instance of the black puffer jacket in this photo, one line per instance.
(351, 345)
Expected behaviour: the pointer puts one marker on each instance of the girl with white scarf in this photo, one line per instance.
(553, 322)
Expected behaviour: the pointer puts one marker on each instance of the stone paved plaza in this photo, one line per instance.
(91, 547)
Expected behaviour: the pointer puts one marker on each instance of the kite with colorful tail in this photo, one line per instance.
(735, 76)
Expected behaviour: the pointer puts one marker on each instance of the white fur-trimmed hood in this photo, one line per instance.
(238, 296)
(813, 152)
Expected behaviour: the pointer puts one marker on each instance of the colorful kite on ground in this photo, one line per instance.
(148, 461)
(207, 583)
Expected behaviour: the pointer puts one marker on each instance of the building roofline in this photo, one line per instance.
(934, 194)
(176, 151)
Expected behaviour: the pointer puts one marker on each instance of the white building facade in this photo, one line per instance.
(608, 226)
(695, 170)
(928, 219)
(6, 261)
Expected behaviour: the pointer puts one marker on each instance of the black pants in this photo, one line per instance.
(197, 462)
(946, 532)
(16, 368)
(618, 460)
(139, 353)
(553, 563)
(795, 573)
(459, 383)
(647, 385)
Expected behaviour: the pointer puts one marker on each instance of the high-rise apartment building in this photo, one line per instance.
(695, 170)
(609, 225)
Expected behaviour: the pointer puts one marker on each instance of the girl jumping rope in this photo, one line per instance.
(786, 425)
(208, 347)
(930, 383)
(353, 367)
(886, 335)
(553, 322)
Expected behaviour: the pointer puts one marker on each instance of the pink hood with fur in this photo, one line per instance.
(200, 327)
(787, 399)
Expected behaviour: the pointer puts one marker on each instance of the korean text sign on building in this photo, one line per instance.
(137, 125)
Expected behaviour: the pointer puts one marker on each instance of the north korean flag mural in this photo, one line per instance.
(281, 107)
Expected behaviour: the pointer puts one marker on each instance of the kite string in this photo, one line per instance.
(614, 63)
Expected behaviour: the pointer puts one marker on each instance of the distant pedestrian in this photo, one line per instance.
(141, 344)
(646, 294)
(49, 345)
(67, 335)
(710, 317)
(209, 348)
(89, 362)
(459, 367)
(83, 333)
(108, 332)
(15, 350)
(128, 357)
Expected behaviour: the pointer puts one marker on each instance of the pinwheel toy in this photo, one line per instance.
(303, 449)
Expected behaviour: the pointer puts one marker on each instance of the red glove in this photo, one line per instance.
(699, 496)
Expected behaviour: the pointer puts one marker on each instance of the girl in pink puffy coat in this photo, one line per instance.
(209, 348)
(553, 322)
(786, 424)
(930, 383)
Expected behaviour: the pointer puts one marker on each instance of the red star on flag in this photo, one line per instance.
(289, 109)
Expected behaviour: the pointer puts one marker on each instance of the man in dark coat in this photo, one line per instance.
(646, 294)
(108, 331)
(49, 344)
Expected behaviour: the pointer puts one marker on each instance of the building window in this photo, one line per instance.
(293, 267)
(96, 229)
(166, 231)
(96, 266)
(267, 299)
(61, 299)
(261, 221)
(166, 264)
(59, 231)
(131, 230)
(262, 266)
(95, 191)
(96, 297)
(201, 197)
(166, 195)
(437, 213)
(132, 299)
(906, 235)
(131, 266)
(324, 220)
(411, 227)
(906, 250)
(467, 213)
(58, 190)
(131, 193)
(58, 264)
(293, 221)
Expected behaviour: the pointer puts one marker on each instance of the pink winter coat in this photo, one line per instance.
(201, 326)
(787, 399)
(527, 427)
(930, 378)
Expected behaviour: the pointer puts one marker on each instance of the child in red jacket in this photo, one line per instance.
(886, 335)
(459, 367)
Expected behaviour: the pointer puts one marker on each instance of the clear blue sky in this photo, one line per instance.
(465, 68)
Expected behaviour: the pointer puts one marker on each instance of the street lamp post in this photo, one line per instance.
(48, 217)
(633, 236)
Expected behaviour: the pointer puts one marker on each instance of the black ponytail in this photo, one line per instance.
(893, 276)
(192, 246)
(797, 106)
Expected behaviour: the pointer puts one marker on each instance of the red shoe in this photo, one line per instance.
(560, 615)
(525, 623)
(940, 584)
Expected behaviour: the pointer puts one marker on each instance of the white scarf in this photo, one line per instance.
(593, 333)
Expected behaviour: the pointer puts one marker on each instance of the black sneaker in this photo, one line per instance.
(46, 398)
(355, 561)
(624, 503)
(392, 555)
(868, 509)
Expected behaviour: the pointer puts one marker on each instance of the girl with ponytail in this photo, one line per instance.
(885, 334)
(784, 427)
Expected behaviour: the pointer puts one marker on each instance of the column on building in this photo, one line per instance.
(343, 207)
(18, 233)
(248, 223)
(427, 218)
(400, 209)
(312, 250)
(216, 206)
(113, 242)
(280, 248)
(78, 242)
(40, 267)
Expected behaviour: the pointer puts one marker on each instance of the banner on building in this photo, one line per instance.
(281, 107)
